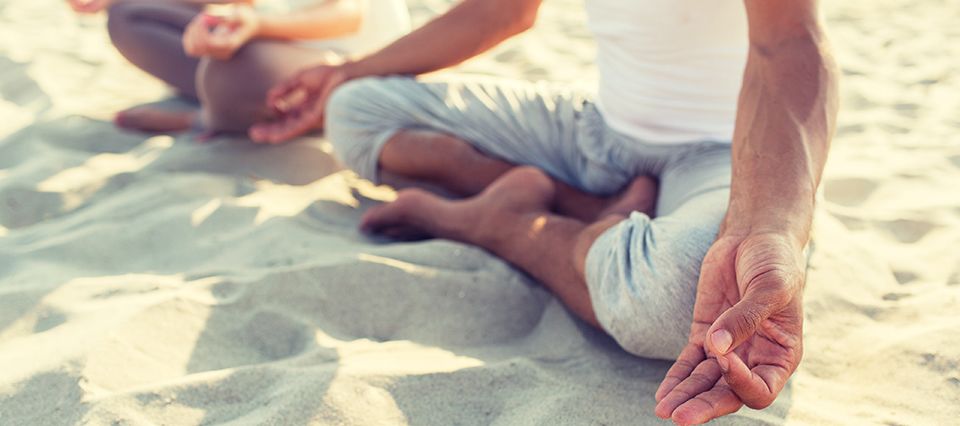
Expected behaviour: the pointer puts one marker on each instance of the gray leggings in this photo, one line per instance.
(149, 32)
(642, 273)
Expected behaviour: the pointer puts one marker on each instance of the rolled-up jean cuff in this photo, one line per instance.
(597, 265)
(369, 167)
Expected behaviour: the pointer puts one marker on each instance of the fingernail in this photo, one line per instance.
(724, 364)
(722, 339)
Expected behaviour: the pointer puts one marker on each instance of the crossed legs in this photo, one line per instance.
(542, 226)
(149, 34)
(457, 167)
(512, 219)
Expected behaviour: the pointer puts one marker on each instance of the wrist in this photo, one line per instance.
(784, 210)
(792, 226)
(353, 69)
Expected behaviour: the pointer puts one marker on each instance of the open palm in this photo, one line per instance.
(299, 103)
(746, 337)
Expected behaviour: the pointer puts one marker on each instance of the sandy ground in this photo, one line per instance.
(153, 280)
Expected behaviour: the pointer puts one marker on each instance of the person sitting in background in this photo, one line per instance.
(227, 54)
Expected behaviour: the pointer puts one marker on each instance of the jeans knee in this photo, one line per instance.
(357, 126)
(351, 101)
(642, 276)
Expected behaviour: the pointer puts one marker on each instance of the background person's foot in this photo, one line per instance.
(155, 120)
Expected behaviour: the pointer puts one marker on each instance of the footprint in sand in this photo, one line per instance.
(273, 335)
(849, 192)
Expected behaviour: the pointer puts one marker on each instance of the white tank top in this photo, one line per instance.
(383, 22)
(670, 70)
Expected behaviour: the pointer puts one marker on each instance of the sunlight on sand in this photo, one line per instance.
(398, 264)
(203, 213)
(163, 351)
(77, 183)
(279, 200)
(364, 357)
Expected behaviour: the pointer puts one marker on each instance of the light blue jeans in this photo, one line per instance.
(642, 273)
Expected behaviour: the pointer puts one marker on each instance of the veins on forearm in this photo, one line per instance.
(785, 120)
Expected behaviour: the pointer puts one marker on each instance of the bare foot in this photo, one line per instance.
(522, 190)
(640, 195)
(155, 120)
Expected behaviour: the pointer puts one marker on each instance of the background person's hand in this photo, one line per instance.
(746, 337)
(220, 36)
(299, 103)
(89, 6)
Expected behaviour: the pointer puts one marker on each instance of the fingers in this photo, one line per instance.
(757, 388)
(716, 402)
(689, 359)
(265, 132)
(740, 322)
(303, 113)
(287, 127)
(194, 37)
(701, 379)
(280, 92)
(298, 124)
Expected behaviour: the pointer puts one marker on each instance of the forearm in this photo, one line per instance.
(465, 31)
(334, 18)
(785, 121)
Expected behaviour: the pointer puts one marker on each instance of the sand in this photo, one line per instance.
(156, 280)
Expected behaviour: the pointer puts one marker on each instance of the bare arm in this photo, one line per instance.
(332, 18)
(468, 29)
(786, 117)
(746, 339)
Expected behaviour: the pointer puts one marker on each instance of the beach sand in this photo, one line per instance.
(156, 280)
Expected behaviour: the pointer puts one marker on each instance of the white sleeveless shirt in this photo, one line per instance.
(383, 22)
(670, 70)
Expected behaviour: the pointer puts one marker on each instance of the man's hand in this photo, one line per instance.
(746, 337)
(299, 103)
(220, 37)
(89, 6)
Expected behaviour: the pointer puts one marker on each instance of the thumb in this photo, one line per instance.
(740, 322)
